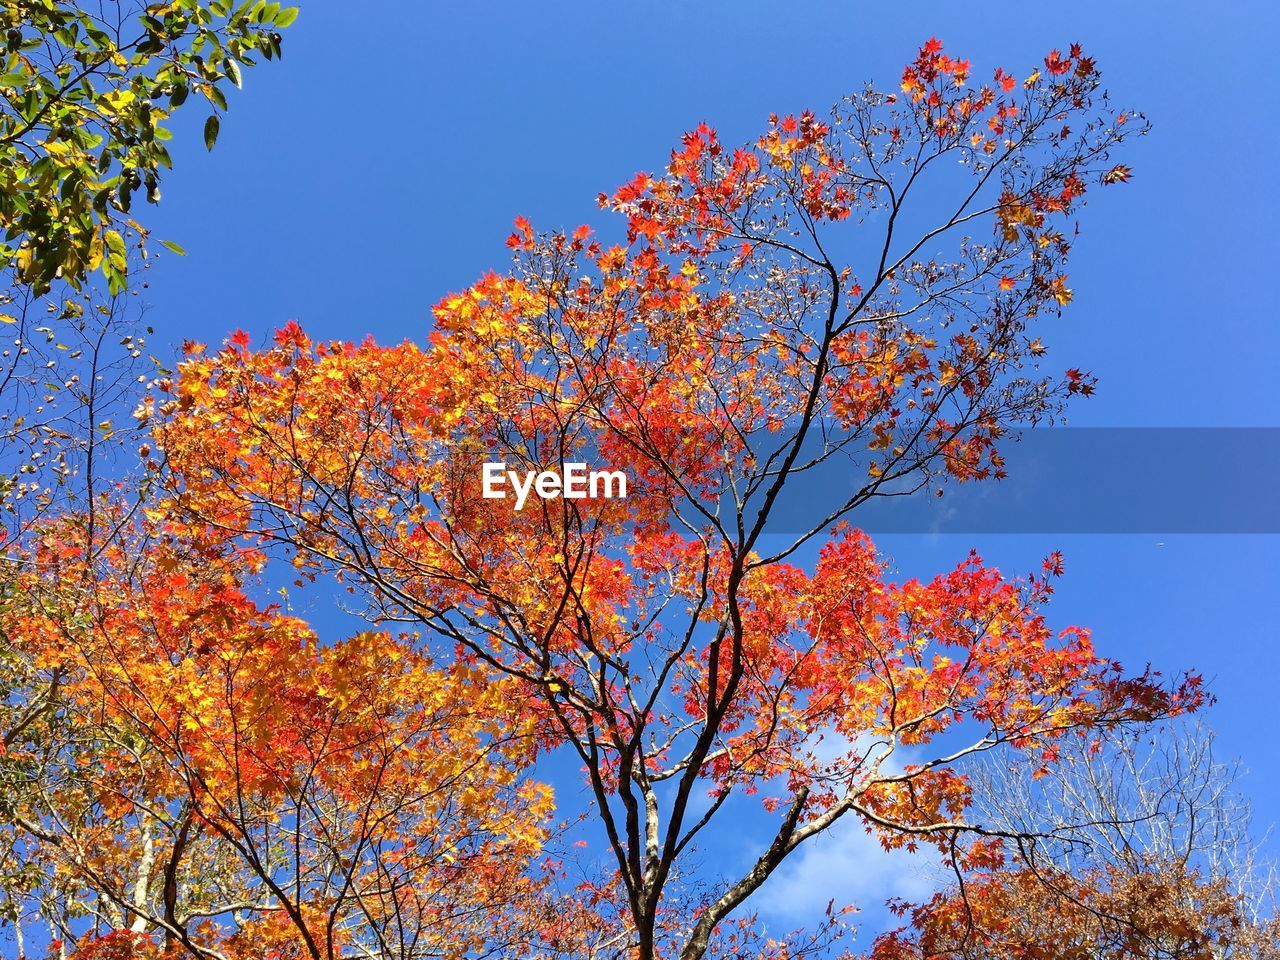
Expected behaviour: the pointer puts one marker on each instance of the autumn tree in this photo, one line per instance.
(86, 99)
(200, 776)
(867, 289)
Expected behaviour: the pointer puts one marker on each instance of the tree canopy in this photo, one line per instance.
(190, 769)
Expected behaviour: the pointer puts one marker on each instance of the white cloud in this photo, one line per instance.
(847, 865)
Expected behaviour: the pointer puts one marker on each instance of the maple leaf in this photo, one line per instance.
(1056, 64)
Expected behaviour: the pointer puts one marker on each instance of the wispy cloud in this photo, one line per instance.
(846, 864)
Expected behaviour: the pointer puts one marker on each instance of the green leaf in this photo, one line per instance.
(211, 127)
(115, 243)
(61, 194)
(174, 247)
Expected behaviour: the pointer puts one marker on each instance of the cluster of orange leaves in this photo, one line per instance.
(186, 695)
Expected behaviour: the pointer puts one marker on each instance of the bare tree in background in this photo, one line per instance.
(72, 367)
(1131, 799)
(1130, 846)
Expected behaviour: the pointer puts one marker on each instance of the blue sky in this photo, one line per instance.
(380, 164)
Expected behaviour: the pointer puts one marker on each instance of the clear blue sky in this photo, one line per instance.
(380, 164)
